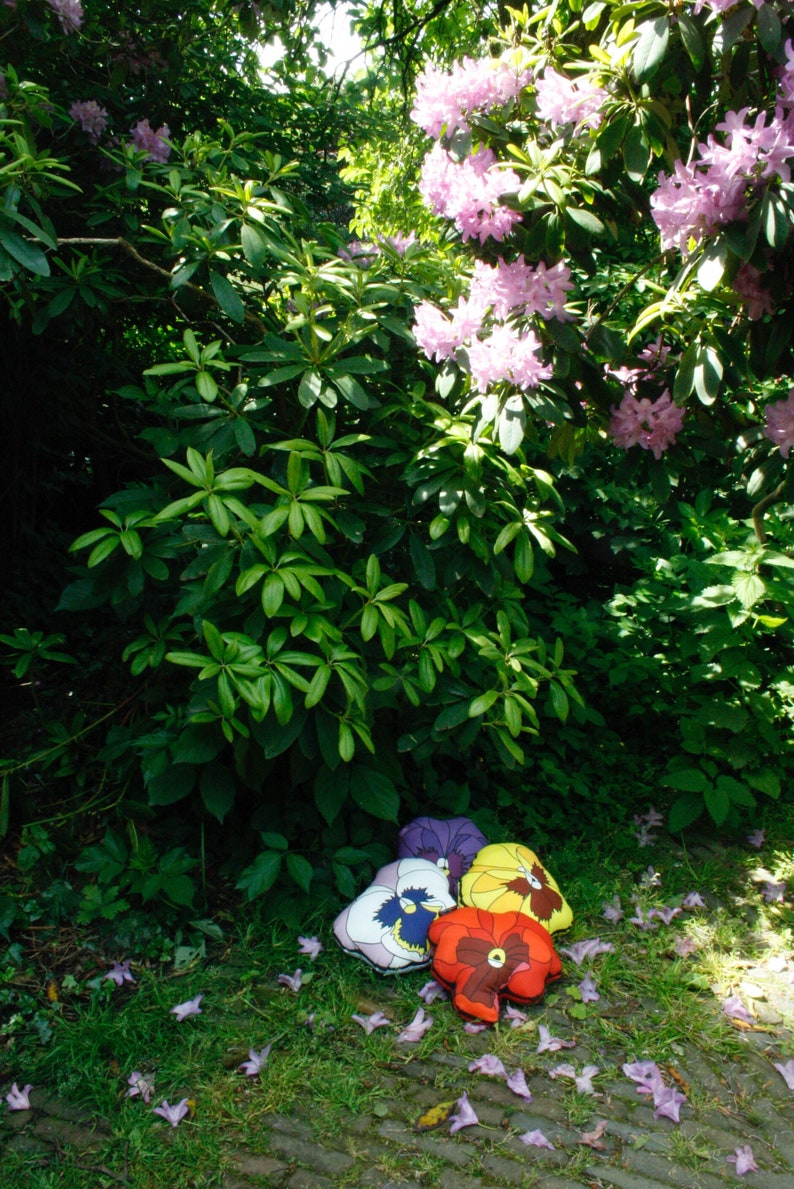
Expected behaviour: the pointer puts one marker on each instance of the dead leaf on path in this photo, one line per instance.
(592, 1139)
(437, 1115)
(678, 1079)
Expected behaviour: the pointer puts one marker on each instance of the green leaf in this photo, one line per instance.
(172, 786)
(301, 871)
(712, 265)
(636, 154)
(227, 297)
(684, 812)
(586, 220)
(651, 48)
(254, 247)
(330, 792)
(482, 703)
(770, 29)
(766, 781)
(738, 792)
(217, 788)
(690, 780)
(692, 39)
(374, 792)
(749, 588)
(28, 255)
(718, 803)
(260, 876)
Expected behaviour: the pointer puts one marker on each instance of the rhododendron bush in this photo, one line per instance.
(389, 520)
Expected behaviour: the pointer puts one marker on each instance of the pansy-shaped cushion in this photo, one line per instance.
(508, 877)
(484, 956)
(387, 924)
(450, 843)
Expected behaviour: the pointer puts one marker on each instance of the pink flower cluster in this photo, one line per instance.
(564, 101)
(780, 423)
(647, 1077)
(469, 192)
(69, 13)
(92, 118)
(444, 100)
(642, 422)
(713, 189)
(154, 144)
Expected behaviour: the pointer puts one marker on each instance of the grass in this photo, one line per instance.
(654, 1004)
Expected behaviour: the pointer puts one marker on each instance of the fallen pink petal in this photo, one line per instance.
(19, 1100)
(312, 947)
(684, 946)
(693, 900)
(566, 1070)
(549, 1043)
(588, 989)
(516, 1017)
(370, 1023)
(172, 1114)
(536, 1139)
(613, 910)
(293, 981)
(773, 893)
(584, 1080)
(517, 1082)
(120, 973)
(431, 991)
(489, 1065)
(465, 1116)
(593, 1138)
(189, 1008)
(667, 1103)
(786, 1072)
(256, 1061)
(757, 839)
(735, 1010)
(140, 1085)
(473, 1027)
(416, 1029)
(664, 914)
(587, 949)
(744, 1160)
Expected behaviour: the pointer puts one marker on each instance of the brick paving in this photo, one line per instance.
(729, 1105)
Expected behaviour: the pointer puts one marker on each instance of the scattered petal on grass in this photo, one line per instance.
(587, 949)
(140, 1085)
(293, 981)
(489, 1065)
(416, 1029)
(667, 1103)
(517, 1082)
(593, 1138)
(664, 914)
(613, 910)
(536, 1139)
(744, 1160)
(120, 973)
(473, 1027)
(757, 839)
(256, 1061)
(584, 1080)
(310, 946)
(650, 878)
(735, 1010)
(778, 964)
(693, 900)
(588, 988)
(566, 1070)
(173, 1114)
(773, 893)
(370, 1023)
(684, 946)
(549, 1043)
(465, 1116)
(786, 1072)
(189, 1008)
(19, 1100)
(641, 921)
(516, 1017)
(431, 991)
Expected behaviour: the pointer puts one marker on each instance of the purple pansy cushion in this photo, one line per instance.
(450, 843)
(387, 924)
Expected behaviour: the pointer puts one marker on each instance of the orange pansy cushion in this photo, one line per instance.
(508, 877)
(484, 956)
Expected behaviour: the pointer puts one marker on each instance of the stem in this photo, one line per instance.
(761, 507)
(622, 293)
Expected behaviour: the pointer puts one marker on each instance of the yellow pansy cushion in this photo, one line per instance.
(509, 877)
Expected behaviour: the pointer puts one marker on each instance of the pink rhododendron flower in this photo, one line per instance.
(469, 192)
(654, 354)
(653, 425)
(757, 838)
(145, 139)
(517, 285)
(416, 1029)
(664, 914)
(582, 950)
(735, 1009)
(780, 423)
(140, 1085)
(693, 900)
(19, 1100)
(549, 1043)
(744, 1160)
(293, 981)
(773, 893)
(92, 118)
(370, 1023)
(120, 973)
(310, 946)
(172, 1114)
(472, 1027)
(189, 1008)
(613, 910)
(489, 1065)
(566, 1070)
(444, 99)
(667, 1100)
(786, 1072)
(536, 1139)
(507, 354)
(588, 988)
(465, 1116)
(517, 1082)
(515, 1016)
(69, 13)
(256, 1061)
(667, 1103)
(431, 991)
(563, 101)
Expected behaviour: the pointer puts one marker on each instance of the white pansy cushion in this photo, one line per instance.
(387, 924)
